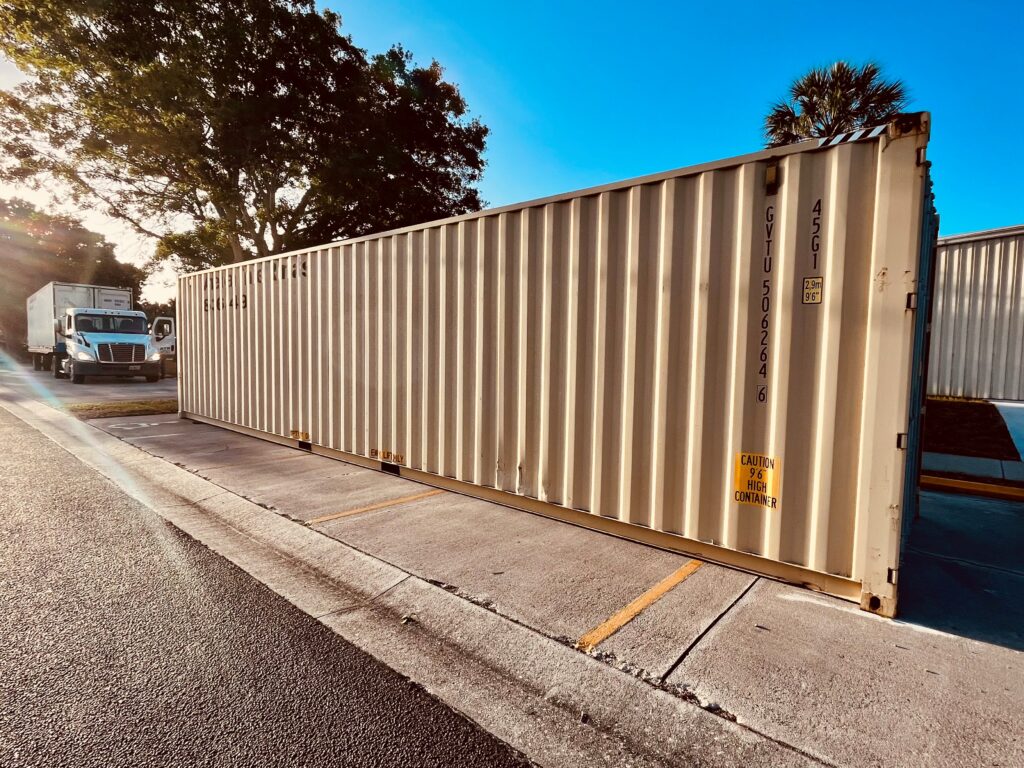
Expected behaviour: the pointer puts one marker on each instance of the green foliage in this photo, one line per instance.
(229, 129)
(832, 100)
(155, 309)
(36, 247)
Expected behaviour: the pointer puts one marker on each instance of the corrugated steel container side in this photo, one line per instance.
(695, 359)
(977, 346)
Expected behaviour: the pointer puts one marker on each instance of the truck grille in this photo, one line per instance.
(122, 353)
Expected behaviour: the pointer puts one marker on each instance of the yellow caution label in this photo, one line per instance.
(758, 479)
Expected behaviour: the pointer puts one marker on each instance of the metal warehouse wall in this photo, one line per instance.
(977, 343)
(715, 359)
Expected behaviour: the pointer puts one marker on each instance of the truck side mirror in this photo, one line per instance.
(161, 329)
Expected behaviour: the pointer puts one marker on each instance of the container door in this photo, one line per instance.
(919, 370)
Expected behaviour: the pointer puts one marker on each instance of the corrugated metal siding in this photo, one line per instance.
(611, 351)
(977, 346)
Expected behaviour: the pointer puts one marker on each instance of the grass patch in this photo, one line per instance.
(123, 408)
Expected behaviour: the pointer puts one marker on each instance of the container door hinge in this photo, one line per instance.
(892, 576)
(922, 155)
(901, 441)
(912, 300)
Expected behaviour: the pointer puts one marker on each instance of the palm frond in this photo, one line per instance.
(835, 99)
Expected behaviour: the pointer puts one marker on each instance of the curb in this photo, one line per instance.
(971, 487)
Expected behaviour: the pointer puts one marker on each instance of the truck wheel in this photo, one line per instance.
(57, 372)
(76, 378)
(35, 362)
(152, 379)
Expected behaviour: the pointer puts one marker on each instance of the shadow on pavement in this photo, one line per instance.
(963, 572)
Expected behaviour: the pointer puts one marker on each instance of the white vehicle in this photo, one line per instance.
(89, 330)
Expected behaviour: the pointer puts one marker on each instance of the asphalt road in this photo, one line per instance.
(124, 642)
(41, 385)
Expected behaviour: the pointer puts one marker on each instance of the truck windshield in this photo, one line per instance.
(110, 324)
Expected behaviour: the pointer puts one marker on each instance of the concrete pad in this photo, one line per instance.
(304, 486)
(148, 427)
(964, 465)
(211, 456)
(962, 571)
(122, 425)
(971, 528)
(851, 688)
(968, 600)
(656, 638)
(1013, 417)
(199, 449)
(557, 578)
(299, 484)
(1013, 470)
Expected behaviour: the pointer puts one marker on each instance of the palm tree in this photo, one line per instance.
(832, 100)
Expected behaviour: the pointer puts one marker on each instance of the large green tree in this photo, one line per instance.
(228, 129)
(831, 100)
(37, 247)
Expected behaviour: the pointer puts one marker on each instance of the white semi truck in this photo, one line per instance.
(79, 330)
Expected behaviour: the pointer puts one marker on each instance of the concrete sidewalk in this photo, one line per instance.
(806, 670)
(759, 672)
(974, 466)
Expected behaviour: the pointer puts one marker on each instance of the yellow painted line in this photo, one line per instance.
(378, 505)
(1010, 492)
(620, 619)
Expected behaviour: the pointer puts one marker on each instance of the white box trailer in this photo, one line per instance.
(724, 360)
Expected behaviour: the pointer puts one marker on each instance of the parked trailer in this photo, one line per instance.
(724, 360)
(977, 345)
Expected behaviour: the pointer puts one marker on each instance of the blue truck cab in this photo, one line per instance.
(105, 342)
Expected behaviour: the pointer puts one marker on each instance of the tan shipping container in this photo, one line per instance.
(717, 360)
(977, 343)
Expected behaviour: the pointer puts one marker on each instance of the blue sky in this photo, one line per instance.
(581, 93)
